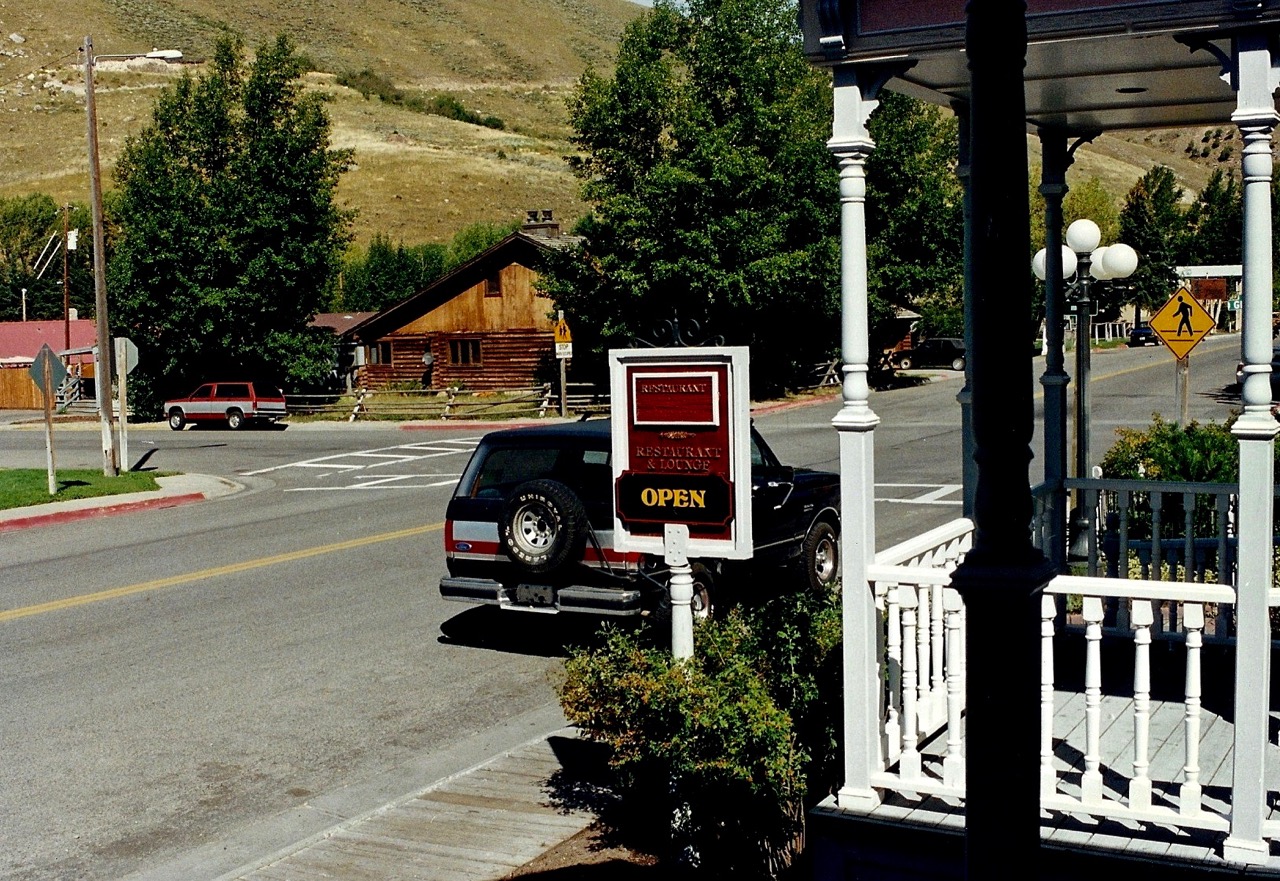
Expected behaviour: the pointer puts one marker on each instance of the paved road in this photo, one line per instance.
(203, 678)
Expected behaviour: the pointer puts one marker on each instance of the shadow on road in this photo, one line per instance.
(521, 633)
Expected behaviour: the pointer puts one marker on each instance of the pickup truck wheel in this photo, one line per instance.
(177, 421)
(543, 526)
(820, 557)
(904, 363)
(235, 420)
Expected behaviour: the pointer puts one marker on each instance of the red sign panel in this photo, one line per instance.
(675, 397)
(678, 450)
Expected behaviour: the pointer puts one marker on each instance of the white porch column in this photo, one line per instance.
(856, 87)
(1255, 82)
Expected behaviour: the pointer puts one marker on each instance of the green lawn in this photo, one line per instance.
(20, 487)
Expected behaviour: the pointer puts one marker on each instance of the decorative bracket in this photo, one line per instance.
(668, 333)
(857, 87)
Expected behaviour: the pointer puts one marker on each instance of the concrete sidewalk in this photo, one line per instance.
(479, 825)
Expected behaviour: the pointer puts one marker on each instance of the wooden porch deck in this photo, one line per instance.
(852, 838)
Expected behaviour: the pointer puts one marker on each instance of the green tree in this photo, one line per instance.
(1151, 222)
(383, 275)
(1215, 223)
(230, 235)
(713, 195)
(26, 225)
(915, 215)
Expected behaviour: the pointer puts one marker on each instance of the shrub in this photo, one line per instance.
(719, 755)
(368, 84)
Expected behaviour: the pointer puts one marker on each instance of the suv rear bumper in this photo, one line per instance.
(619, 601)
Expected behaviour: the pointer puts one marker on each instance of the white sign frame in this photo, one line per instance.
(736, 360)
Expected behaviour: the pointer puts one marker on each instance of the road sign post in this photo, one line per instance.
(48, 372)
(1182, 322)
(564, 351)
(126, 360)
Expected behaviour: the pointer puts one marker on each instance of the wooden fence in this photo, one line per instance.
(18, 391)
(449, 403)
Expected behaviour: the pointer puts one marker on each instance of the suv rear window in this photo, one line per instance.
(262, 390)
(586, 471)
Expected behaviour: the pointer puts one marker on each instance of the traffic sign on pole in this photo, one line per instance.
(55, 374)
(1182, 323)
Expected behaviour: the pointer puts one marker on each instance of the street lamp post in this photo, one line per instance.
(1088, 262)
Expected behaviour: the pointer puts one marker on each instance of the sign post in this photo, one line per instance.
(682, 463)
(1182, 322)
(48, 372)
(564, 351)
(126, 360)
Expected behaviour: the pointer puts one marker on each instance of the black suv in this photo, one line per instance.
(530, 526)
(936, 352)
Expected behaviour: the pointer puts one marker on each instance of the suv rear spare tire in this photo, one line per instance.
(543, 526)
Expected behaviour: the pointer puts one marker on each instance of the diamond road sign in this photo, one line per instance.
(1182, 323)
(57, 372)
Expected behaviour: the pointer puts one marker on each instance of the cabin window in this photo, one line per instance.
(380, 352)
(493, 285)
(464, 352)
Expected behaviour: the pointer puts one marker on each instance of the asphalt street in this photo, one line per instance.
(197, 680)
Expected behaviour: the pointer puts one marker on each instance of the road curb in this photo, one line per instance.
(56, 517)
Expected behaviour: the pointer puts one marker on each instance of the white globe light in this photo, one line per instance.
(1037, 263)
(1120, 260)
(1069, 261)
(1098, 266)
(1083, 236)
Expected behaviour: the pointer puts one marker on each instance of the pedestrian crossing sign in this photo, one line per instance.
(1182, 323)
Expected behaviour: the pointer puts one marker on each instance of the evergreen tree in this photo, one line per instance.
(230, 236)
(1152, 223)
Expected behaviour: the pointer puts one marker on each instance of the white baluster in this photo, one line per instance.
(924, 717)
(1091, 783)
(881, 600)
(937, 682)
(953, 764)
(893, 724)
(1189, 794)
(1048, 611)
(909, 761)
(1140, 786)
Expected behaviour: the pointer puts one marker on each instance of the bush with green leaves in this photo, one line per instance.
(1195, 453)
(718, 756)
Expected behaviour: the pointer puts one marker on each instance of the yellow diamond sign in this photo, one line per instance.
(1182, 323)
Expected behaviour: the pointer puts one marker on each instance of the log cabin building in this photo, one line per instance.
(481, 326)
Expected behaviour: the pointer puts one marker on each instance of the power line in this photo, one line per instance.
(38, 67)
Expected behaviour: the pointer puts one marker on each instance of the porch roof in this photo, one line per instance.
(1090, 66)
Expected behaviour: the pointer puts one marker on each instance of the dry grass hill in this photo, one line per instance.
(416, 177)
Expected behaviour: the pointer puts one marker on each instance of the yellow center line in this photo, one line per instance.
(218, 571)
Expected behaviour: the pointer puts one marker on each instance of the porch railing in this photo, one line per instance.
(1145, 777)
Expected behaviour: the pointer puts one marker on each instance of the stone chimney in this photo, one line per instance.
(540, 223)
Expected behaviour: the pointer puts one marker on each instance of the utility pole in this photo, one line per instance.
(66, 281)
(102, 369)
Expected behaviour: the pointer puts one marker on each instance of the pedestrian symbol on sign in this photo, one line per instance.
(1182, 323)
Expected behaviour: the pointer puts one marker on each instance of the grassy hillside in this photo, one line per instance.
(417, 177)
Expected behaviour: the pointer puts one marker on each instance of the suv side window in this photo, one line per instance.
(237, 390)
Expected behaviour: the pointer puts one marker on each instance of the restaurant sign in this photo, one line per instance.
(681, 449)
